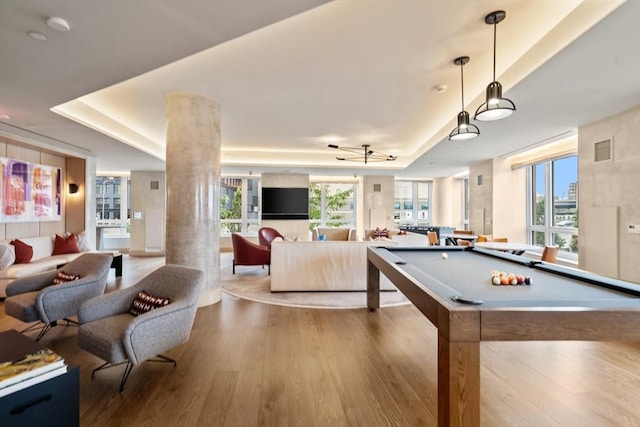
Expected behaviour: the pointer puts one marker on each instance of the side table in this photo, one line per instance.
(55, 399)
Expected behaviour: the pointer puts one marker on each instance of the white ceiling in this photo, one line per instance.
(289, 73)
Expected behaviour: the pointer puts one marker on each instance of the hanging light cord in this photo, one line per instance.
(495, 24)
(462, 83)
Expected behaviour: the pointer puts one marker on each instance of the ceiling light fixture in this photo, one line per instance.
(496, 107)
(37, 36)
(364, 154)
(58, 24)
(464, 130)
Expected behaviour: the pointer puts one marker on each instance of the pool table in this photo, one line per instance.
(561, 303)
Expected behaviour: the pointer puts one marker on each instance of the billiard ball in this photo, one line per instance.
(495, 280)
(444, 255)
(527, 280)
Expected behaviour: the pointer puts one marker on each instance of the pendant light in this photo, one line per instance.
(496, 107)
(464, 130)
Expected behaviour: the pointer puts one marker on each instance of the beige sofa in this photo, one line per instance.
(321, 266)
(41, 261)
(342, 234)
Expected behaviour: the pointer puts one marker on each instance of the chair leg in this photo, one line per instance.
(234, 267)
(127, 370)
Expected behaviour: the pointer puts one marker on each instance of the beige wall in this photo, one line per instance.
(145, 232)
(499, 205)
(613, 184)
(377, 206)
(14, 149)
(287, 227)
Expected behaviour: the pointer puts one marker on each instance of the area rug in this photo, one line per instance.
(253, 283)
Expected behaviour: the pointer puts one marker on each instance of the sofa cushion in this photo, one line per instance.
(65, 245)
(82, 241)
(146, 302)
(7, 255)
(24, 252)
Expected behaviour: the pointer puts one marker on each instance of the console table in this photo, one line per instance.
(56, 399)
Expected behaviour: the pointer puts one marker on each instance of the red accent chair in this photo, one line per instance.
(266, 236)
(246, 252)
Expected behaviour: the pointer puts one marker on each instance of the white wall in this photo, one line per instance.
(610, 184)
(147, 236)
(499, 205)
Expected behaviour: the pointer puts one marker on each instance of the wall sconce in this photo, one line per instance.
(73, 188)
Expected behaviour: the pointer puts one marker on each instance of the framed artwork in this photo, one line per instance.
(30, 192)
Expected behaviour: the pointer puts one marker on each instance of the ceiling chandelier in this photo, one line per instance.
(496, 107)
(363, 154)
(464, 130)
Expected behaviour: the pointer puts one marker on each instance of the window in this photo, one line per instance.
(465, 202)
(554, 204)
(411, 206)
(239, 206)
(332, 205)
(112, 216)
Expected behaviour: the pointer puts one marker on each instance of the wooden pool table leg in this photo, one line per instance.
(373, 286)
(458, 383)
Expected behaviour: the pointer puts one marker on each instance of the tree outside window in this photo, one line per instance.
(331, 205)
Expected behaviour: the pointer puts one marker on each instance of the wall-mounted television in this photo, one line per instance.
(285, 203)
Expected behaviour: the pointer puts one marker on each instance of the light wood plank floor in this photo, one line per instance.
(249, 364)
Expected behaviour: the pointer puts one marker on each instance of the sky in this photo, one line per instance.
(565, 171)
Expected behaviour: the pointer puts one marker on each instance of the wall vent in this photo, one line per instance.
(602, 151)
(155, 185)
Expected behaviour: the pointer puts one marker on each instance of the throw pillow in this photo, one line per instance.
(63, 277)
(146, 302)
(381, 233)
(82, 241)
(65, 245)
(24, 252)
(7, 255)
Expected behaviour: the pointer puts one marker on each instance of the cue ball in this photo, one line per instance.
(444, 255)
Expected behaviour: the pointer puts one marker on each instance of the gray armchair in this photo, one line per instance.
(109, 330)
(36, 299)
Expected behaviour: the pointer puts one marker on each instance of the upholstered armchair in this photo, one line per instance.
(245, 252)
(37, 299)
(266, 236)
(109, 330)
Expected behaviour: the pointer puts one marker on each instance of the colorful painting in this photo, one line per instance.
(29, 192)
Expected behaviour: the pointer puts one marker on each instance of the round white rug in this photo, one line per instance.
(253, 283)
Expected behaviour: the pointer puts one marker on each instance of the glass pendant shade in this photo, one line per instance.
(464, 130)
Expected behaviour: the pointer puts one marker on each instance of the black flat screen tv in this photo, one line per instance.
(285, 203)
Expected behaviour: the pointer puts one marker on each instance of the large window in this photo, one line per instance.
(554, 204)
(411, 205)
(113, 203)
(239, 206)
(332, 205)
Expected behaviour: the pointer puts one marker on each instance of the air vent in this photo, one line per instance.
(602, 151)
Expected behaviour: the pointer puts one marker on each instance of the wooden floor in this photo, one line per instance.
(250, 364)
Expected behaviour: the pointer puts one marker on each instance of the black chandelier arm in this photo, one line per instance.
(363, 154)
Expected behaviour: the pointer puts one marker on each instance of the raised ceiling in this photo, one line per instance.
(291, 76)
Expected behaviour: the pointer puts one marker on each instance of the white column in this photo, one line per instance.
(193, 188)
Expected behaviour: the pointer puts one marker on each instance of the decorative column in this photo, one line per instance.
(193, 188)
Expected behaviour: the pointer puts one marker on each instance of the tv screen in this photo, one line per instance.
(285, 203)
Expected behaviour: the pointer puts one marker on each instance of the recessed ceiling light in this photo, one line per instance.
(37, 36)
(441, 88)
(5, 117)
(58, 24)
